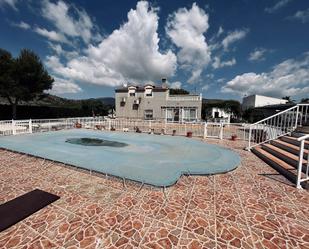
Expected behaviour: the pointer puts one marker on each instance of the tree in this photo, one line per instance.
(288, 98)
(178, 91)
(22, 78)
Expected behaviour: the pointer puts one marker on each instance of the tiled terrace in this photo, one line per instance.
(250, 207)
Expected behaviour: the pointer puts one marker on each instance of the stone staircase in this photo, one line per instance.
(283, 154)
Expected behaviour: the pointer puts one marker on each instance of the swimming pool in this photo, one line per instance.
(151, 159)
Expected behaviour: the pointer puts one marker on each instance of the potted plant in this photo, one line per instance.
(234, 137)
(78, 125)
(174, 133)
(189, 134)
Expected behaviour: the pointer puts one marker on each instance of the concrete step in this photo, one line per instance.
(294, 149)
(289, 171)
(303, 129)
(293, 140)
(284, 155)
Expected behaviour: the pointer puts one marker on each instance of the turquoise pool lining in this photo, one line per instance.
(168, 167)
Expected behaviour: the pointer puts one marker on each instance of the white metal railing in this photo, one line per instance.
(277, 125)
(197, 129)
(300, 162)
(184, 97)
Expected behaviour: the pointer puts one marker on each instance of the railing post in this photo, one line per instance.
(300, 163)
(205, 130)
(30, 125)
(221, 131)
(13, 127)
(249, 139)
(297, 114)
(109, 124)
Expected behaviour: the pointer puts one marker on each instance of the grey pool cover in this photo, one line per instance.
(152, 159)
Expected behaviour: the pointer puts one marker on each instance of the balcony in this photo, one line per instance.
(184, 98)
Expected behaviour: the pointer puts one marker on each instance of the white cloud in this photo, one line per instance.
(175, 85)
(62, 86)
(57, 48)
(22, 25)
(130, 53)
(280, 4)
(302, 15)
(257, 55)
(11, 3)
(61, 16)
(234, 36)
(205, 88)
(289, 78)
(186, 29)
(51, 35)
(217, 63)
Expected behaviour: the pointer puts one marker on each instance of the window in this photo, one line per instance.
(148, 114)
(135, 107)
(131, 91)
(148, 92)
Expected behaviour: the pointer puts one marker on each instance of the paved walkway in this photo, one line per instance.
(250, 207)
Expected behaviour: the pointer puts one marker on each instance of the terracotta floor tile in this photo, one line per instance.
(161, 235)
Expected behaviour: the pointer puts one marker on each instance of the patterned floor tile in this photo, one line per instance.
(233, 234)
(17, 236)
(189, 240)
(202, 224)
(161, 236)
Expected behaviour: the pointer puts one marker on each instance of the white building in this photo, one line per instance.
(253, 101)
(217, 113)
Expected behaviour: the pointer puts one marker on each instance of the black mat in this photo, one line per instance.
(23, 206)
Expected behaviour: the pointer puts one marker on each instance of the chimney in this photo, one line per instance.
(164, 82)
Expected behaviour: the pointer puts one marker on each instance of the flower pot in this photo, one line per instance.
(233, 137)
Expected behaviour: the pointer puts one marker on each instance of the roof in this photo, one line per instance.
(142, 88)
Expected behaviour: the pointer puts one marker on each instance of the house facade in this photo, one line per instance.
(151, 102)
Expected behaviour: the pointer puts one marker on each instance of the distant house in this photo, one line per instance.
(217, 113)
(254, 101)
(152, 102)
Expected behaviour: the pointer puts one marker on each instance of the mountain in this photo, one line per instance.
(56, 101)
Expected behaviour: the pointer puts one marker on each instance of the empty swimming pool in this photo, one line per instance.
(151, 159)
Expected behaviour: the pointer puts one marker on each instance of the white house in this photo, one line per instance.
(253, 101)
(220, 113)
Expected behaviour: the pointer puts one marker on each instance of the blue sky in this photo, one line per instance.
(224, 49)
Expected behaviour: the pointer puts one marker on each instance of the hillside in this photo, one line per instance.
(55, 101)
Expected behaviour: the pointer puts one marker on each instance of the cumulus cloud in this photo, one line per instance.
(280, 4)
(205, 88)
(302, 15)
(51, 35)
(11, 3)
(257, 55)
(22, 25)
(233, 37)
(217, 63)
(186, 28)
(289, 78)
(62, 86)
(130, 53)
(60, 14)
(175, 85)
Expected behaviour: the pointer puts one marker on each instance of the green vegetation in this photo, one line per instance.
(22, 78)
(178, 91)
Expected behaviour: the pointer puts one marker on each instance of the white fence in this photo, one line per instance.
(201, 129)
